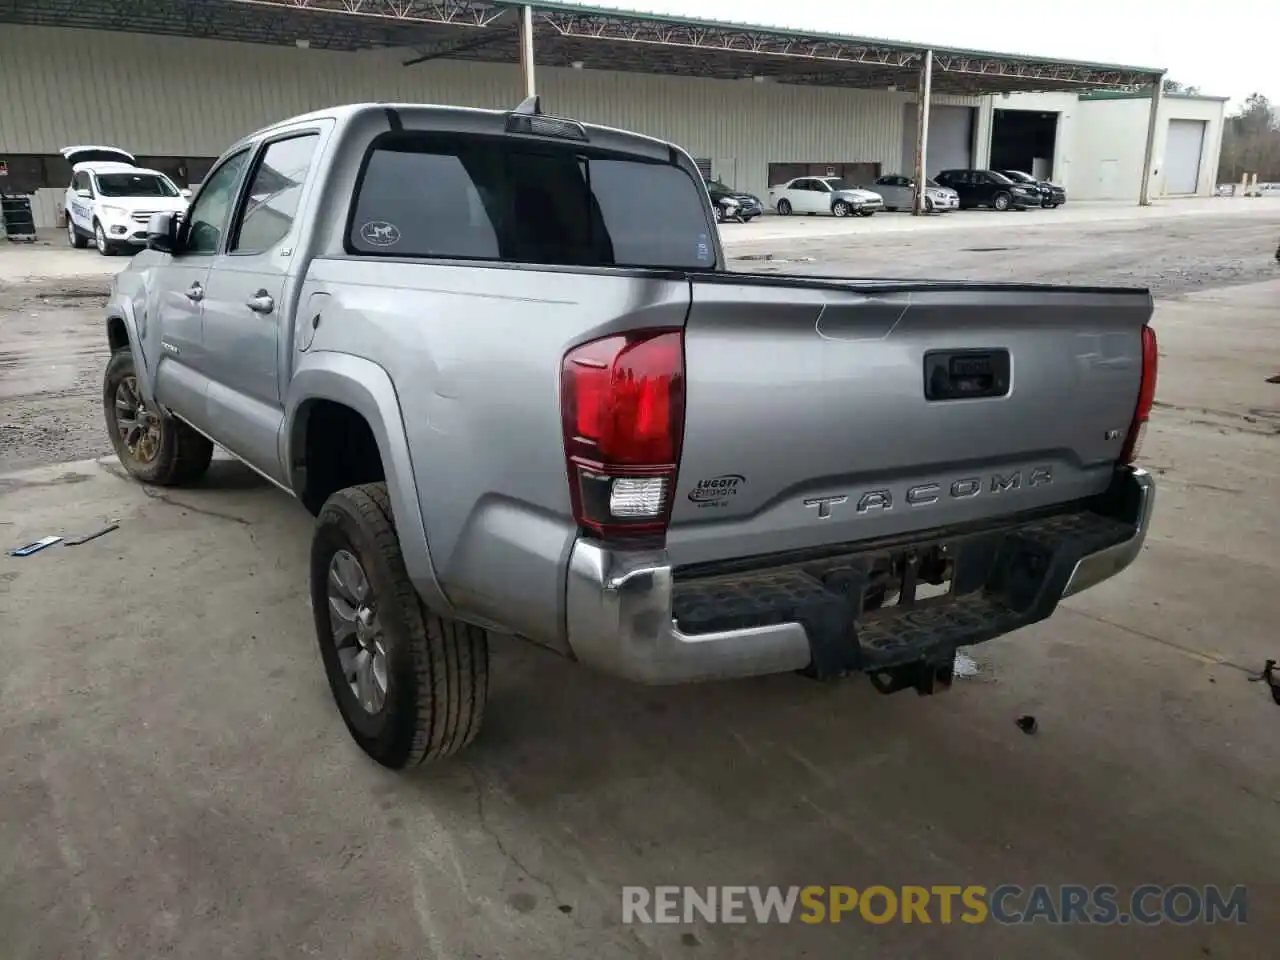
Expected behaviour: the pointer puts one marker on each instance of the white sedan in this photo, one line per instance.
(832, 195)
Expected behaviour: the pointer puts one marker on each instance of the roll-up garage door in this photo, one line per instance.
(950, 139)
(1183, 150)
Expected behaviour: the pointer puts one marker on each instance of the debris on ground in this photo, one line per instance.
(1268, 674)
(964, 665)
(34, 547)
(113, 525)
(1027, 724)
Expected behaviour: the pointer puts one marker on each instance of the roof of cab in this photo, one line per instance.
(346, 112)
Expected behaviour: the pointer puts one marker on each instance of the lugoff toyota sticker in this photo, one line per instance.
(717, 491)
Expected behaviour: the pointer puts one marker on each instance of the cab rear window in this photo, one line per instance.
(500, 199)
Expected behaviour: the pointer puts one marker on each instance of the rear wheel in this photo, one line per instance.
(411, 686)
(784, 208)
(74, 237)
(152, 447)
(1000, 201)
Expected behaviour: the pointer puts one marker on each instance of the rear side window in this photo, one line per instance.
(427, 195)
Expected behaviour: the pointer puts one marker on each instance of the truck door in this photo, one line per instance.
(248, 300)
(177, 295)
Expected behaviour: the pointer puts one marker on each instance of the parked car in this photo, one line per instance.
(747, 205)
(694, 499)
(110, 199)
(824, 195)
(987, 188)
(1051, 194)
(899, 192)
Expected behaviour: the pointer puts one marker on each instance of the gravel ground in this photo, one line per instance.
(53, 349)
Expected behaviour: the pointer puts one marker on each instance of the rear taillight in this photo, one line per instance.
(622, 406)
(1146, 397)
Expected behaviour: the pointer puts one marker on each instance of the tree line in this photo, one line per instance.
(1251, 142)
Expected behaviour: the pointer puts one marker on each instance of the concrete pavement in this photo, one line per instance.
(174, 778)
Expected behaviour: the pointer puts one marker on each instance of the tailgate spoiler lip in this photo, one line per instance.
(888, 285)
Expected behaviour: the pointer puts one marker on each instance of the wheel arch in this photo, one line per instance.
(122, 331)
(324, 385)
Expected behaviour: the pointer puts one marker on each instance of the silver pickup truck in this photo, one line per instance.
(499, 357)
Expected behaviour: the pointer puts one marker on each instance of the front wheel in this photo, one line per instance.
(101, 242)
(840, 208)
(153, 447)
(411, 686)
(1001, 201)
(784, 208)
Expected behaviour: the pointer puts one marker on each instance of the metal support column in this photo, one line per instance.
(526, 50)
(922, 131)
(1157, 96)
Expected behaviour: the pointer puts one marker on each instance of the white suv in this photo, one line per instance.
(111, 199)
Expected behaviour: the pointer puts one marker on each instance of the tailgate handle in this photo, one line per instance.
(965, 374)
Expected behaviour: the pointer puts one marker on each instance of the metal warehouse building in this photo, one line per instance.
(176, 81)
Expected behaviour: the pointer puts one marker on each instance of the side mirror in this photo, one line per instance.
(82, 192)
(162, 233)
(186, 193)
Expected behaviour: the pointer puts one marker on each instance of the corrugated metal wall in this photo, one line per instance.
(175, 97)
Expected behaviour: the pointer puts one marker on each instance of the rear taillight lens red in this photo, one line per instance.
(622, 407)
(1146, 398)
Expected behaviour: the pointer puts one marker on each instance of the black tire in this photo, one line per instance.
(75, 238)
(437, 670)
(748, 219)
(1000, 201)
(928, 205)
(181, 454)
(784, 207)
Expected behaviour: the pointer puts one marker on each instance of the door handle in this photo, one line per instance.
(261, 302)
(196, 293)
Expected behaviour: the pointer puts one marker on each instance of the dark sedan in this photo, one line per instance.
(749, 205)
(987, 188)
(1051, 195)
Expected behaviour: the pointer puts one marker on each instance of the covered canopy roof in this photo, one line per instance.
(566, 34)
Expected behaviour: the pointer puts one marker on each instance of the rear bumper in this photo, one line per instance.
(629, 614)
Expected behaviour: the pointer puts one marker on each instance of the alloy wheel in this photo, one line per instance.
(138, 427)
(357, 632)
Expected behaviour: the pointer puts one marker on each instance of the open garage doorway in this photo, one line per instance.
(860, 174)
(1024, 140)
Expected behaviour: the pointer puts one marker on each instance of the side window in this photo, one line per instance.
(212, 210)
(274, 192)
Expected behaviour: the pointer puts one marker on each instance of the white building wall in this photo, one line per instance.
(178, 97)
(1112, 140)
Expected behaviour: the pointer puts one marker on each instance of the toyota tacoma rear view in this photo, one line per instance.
(499, 357)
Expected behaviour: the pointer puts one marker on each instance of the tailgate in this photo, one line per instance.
(825, 412)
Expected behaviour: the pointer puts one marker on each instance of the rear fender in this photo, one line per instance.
(366, 388)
